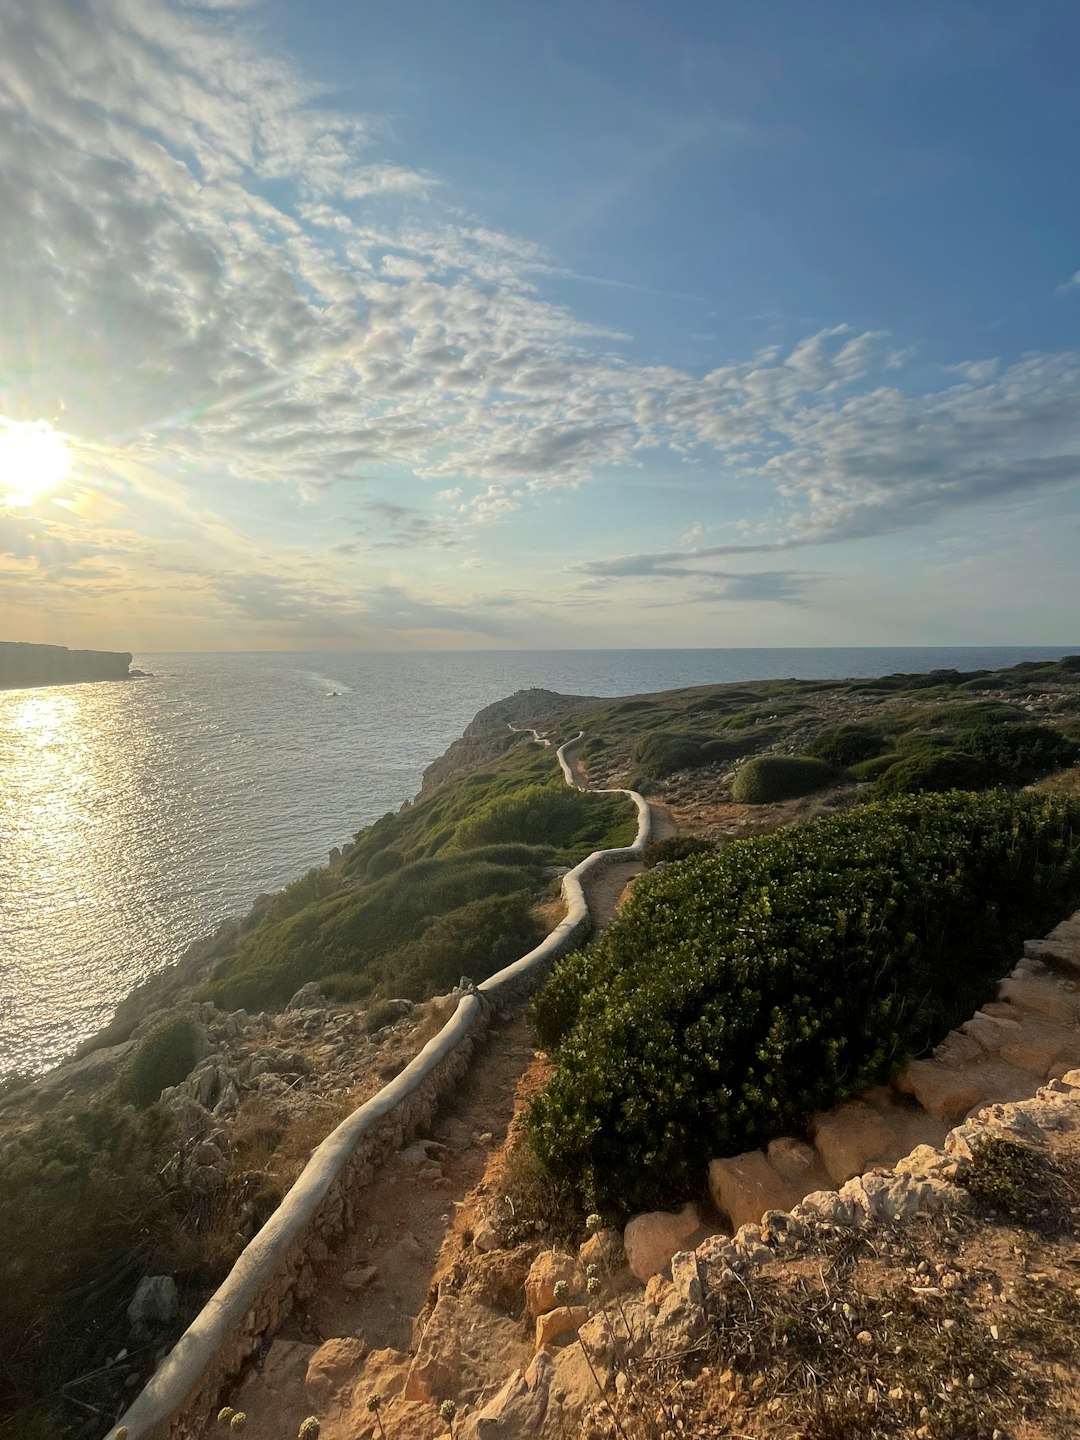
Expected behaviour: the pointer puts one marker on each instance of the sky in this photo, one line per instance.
(362, 324)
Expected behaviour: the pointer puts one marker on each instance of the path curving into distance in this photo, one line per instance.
(326, 1202)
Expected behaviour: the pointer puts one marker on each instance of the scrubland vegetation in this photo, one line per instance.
(444, 888)
(738, 992)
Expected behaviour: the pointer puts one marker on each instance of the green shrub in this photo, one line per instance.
(664, 753)
(475, 940)
(1017, 754)
(385, 862)
(780, 777)
(934, 773)
(315, 885)
(676, 847)
(533, 814)
(847, 745)
(736, 993)
(871, 769)
(164, 1056)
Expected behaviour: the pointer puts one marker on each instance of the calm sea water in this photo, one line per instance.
(136, 816)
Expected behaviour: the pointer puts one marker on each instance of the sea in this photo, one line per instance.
(137, 815)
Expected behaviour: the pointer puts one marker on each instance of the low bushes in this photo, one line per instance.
(846, 745)
(934, 773)
(986, 755)
(737, 992)
(676, 847)
(666, 751)
(164, 1056)
(84, 1213)
(532, 815)
(780, 777)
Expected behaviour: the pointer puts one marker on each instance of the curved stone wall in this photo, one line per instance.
(277, 1267)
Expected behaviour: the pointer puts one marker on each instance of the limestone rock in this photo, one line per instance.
(520, 1408)
(486, 1237)
(943, 1092)
(990, 1031)
(360, 1278)
(797, 1163)
(566, 1320)
(455, 1351)
(826, 1205)
(745, 1186)
(604, 1250)
(308, 997)
(686, 1277)
(333, 1365)
(546, 1271)
(850, 1138)
(651, 1239)
(154, 1307)
(678, 1326)
(1042, 997)
(1037, 1048)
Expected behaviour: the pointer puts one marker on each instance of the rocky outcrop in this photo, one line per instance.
(25, 665)
(560, 1392)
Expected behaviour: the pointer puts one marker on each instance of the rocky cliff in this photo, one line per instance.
(22, 664)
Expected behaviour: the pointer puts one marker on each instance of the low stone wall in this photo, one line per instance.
(276, 1269)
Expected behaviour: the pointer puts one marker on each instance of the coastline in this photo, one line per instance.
(25, 666)
(93, 1061)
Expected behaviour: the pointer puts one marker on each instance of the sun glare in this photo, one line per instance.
(34, 459)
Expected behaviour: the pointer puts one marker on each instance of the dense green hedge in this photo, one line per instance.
(780, 777)
(736, 993)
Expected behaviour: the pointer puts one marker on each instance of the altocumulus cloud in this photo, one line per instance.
(160, 289)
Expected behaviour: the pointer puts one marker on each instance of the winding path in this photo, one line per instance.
(266, 1279)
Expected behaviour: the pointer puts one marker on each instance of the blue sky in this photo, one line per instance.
(410, 326)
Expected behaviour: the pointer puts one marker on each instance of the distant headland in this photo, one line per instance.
(22, 664)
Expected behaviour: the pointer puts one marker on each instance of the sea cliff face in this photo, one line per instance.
(23, 664)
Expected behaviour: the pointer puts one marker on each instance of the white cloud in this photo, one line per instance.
(183, 318)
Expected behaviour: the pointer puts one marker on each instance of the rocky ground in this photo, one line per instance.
(891, 1305)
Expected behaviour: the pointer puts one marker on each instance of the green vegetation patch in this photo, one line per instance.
(846, 745)
(666, 751)
(384, 923)
(164, 1056)
(84, 1213)
(986, 755)
(736, 993)
(769, 778)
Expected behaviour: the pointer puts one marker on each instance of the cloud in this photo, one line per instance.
(210, 271)
(1068, 286)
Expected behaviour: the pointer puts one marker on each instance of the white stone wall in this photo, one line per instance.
(277, 1268)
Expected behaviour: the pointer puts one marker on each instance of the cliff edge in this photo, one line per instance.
(22, 664)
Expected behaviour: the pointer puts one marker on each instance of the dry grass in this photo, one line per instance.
(957, 1328)
(1065, 782)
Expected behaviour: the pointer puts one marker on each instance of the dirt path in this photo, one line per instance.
(606, 887)
(375, 1289)
(375, 1295)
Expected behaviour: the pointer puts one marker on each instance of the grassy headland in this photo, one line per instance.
(457, 882)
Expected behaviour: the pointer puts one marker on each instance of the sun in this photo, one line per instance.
(34, 459)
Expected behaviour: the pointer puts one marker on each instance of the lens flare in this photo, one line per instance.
(34, 459)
